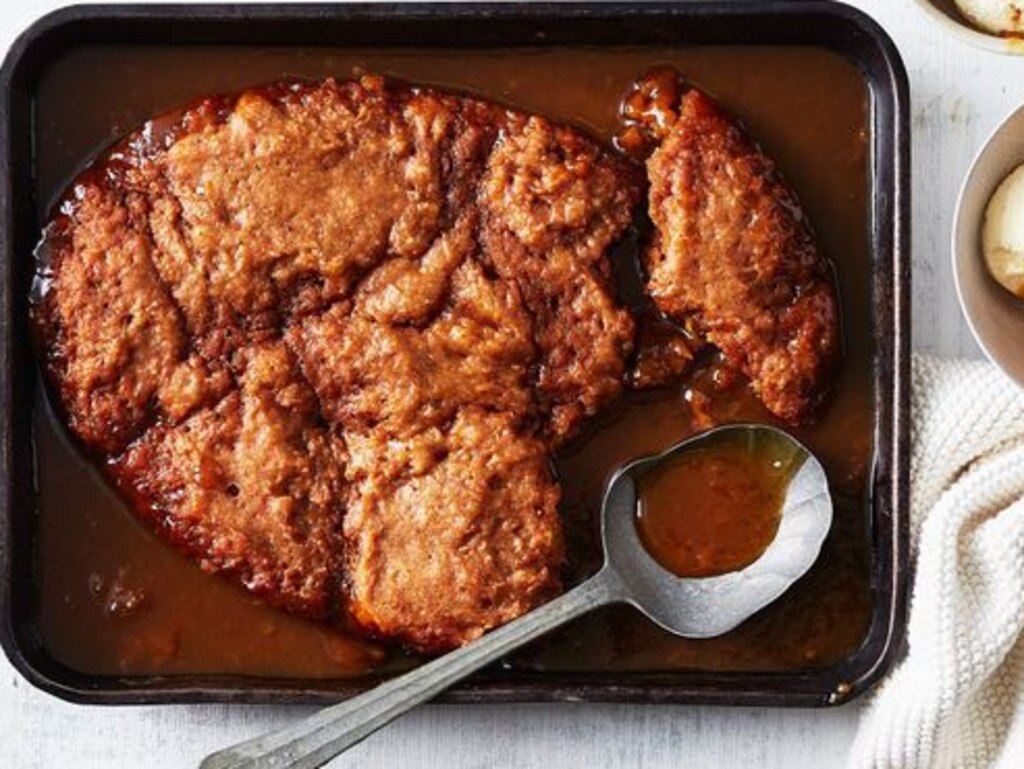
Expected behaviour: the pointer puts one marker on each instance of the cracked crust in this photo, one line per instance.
(321, 334)
(734, 259)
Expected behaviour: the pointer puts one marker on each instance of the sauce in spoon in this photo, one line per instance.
(716, 507)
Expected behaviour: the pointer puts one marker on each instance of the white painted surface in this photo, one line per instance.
(959, 94)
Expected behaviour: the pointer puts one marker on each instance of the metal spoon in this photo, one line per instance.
(694, 608)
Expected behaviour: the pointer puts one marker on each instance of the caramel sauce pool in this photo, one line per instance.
(713, 508)
(114, 600)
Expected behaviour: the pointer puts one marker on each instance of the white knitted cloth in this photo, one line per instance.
(957, 698)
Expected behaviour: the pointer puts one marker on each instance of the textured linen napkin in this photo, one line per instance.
(957, 698)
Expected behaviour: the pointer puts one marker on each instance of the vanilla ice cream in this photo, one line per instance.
(1002, 237)
(1004, 17)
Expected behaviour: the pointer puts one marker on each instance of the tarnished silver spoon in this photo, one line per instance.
(690, 607)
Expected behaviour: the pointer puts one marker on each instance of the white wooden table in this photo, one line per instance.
(959, 94)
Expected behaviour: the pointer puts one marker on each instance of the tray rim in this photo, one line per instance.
(891, 282)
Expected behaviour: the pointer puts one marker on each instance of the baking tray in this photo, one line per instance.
(822, 24)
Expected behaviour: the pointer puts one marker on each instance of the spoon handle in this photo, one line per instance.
(314, 741)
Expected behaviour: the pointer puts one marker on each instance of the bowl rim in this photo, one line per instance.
(970, 180)
(962, 30)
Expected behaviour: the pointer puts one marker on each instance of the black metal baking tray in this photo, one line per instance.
(822, 24)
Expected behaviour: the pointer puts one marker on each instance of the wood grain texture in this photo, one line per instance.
(959, 95)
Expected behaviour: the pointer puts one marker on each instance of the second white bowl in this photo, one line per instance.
(944, 12)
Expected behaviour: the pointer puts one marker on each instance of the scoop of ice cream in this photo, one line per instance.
(996, 16)
(1002, 236)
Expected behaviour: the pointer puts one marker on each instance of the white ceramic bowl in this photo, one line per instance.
(996, 316)
(945, 13)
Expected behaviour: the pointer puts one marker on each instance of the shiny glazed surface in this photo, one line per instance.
(713, 508)
(115, 600)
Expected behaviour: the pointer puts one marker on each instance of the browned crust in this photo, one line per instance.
(187, 298)
(733, 258)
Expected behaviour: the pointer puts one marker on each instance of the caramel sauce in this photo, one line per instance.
(648, 111)
(113, 599)
(713, 508)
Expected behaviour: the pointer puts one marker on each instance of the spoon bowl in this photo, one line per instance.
(705, 607)
(694, 607)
